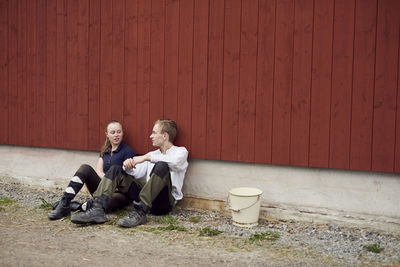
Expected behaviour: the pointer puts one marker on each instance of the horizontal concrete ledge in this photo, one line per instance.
(362, 199)
(320, 216)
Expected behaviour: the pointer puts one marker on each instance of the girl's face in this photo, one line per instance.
(114, 133)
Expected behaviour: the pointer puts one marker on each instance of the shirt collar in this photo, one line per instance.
(118, 148)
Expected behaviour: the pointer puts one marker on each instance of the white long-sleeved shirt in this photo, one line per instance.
(175, 157)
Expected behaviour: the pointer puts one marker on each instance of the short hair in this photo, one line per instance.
(168, 126)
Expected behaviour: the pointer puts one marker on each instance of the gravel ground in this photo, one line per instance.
(340, 245)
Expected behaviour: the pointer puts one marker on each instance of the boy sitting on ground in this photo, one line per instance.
(164, 170)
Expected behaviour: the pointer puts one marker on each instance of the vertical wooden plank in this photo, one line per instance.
(117, 89)
(342, 77)
(61, 75)
(51, 46)
(397, 152)
(4, 71)
(283, 82)
(321, 84)
(171, 58)
(77, 70)
(31, 75)
(215, 74)
(363, 85)
(36, 72)
(248, 77)
(200, 70)
(185, 73)
(71, 69)
(265, 81)
(301, 91)
(41, 94)
(157, 60)
(142, 105)
(387, 49)
(72, 11)
(96, 136)
(82, 60)
(230, 112)
(21, 120)
(131, 58)
(106, 62)
(13, 71)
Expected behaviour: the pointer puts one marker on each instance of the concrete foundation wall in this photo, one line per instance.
(363, 199)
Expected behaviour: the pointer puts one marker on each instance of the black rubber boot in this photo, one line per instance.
(74, 205)
(62, 210)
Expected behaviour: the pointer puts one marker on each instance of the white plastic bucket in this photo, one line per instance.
(244, 202)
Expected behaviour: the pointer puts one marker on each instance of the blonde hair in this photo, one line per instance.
(168, 126)
(107, 144)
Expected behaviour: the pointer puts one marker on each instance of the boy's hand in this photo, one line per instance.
(131, 163)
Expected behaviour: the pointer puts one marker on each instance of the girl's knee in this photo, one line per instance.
(85, 169)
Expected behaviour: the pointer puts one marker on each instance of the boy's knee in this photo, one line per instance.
(115, 168)
(160, 169)
(113, 172)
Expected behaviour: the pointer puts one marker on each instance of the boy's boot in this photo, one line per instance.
(95, 214)
(136, 217)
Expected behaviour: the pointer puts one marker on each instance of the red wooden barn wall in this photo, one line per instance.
(293, 82)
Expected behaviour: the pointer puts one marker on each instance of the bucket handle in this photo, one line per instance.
(238, 210)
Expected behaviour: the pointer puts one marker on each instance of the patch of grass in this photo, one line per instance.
(121, 213)
(269, 235)
(113, 219)
(6, 200)
(173, 227)
(207, 231)
(116, 215)
(133, 231)
(168, 219)
(376, 248)
(150, 230)
(45, 205)
(194, 219)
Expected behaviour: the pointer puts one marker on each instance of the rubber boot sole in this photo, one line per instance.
(74, 205)
(93, 220)
(53, 216)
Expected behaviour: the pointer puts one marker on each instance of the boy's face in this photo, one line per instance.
(157, 137)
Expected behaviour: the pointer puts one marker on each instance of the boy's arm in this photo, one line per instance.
(134, 167)
(176, 161)
(132, 162)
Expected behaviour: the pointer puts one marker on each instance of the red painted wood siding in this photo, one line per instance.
(289, 82)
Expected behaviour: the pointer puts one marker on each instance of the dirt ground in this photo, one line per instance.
(28, 238)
